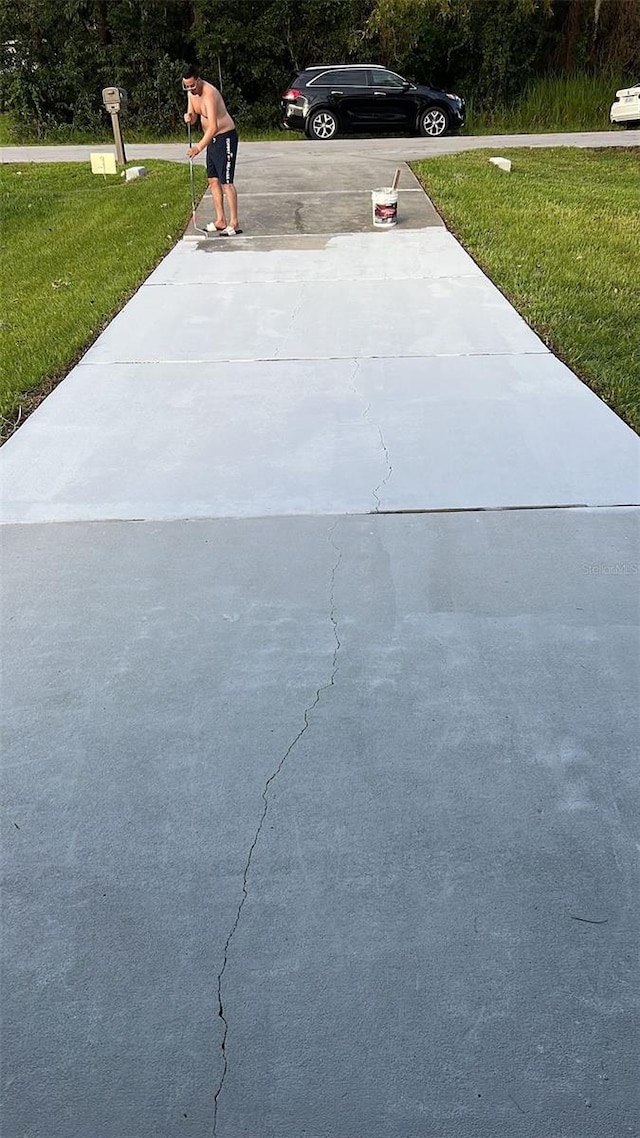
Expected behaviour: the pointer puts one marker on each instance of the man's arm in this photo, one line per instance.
(191, 115)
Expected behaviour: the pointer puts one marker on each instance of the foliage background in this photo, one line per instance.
(57, 55)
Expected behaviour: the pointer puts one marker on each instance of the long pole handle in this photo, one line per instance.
(191, 178)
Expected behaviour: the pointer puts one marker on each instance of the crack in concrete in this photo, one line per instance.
(365, 415)
(296, 309)
(389, 470)
(265, 797)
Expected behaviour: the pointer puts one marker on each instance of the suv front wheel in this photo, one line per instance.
(322, 125)
(433, 122)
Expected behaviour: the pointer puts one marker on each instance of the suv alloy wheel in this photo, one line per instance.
(433, 122)
(322, 124)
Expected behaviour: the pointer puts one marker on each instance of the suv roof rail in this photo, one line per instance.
(333, 66)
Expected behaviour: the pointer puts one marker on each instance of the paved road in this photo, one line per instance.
(405, 149)
(320, 694)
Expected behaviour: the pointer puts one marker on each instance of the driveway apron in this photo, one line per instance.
(320, 690)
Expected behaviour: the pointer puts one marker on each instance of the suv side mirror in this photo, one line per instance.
(406, 86)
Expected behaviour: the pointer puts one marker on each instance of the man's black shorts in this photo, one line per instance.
(221, 156)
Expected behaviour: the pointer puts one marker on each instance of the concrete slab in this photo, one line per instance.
(301, 192)
(312, 437)
(308, 169)
(496, 431)
(393, 255)
(441, 905)
(314, 320)
(291, 213)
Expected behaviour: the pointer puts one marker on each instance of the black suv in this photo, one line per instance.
(322, 101)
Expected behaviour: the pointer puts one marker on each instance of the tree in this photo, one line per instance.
(395, 27)
(56, 55)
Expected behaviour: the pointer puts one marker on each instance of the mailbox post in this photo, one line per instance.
(115, 100)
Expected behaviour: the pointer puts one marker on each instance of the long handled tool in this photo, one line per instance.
(192, 183)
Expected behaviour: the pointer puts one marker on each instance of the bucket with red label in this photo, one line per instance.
(384, 204)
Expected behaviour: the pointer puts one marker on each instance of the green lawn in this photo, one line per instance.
(560, 236)
(75, 246)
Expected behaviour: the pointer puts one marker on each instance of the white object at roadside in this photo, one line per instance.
(502, 164)
(103, 163)
(134, 172)
(384, 204)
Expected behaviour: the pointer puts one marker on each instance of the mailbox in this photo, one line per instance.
(114, 99)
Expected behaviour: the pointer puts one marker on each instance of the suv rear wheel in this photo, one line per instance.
(322, 124)
(433, 122)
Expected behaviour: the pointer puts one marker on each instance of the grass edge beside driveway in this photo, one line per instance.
(560, 237)
(75, 248)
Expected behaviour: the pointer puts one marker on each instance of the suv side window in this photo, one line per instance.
(380, 78)
(345, 78)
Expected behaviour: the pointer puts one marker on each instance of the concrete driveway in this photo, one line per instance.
(320, 685)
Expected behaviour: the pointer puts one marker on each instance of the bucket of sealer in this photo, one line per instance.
(384, 204)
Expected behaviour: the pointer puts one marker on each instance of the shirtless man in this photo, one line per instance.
(220, 139)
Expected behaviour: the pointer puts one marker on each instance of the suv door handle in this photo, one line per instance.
(337, 92)
(380, 94)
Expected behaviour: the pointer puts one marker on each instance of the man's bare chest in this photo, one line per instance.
(199, 106)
